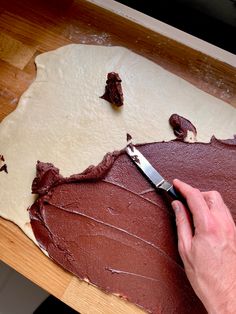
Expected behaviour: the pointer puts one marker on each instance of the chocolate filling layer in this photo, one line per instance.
(108, 225)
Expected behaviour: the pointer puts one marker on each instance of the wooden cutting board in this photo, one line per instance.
(28, 29)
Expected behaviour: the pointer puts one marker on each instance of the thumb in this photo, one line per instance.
(184, 229)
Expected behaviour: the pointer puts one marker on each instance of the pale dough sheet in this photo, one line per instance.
(61, 119)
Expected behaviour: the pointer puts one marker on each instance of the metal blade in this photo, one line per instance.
(144, 165)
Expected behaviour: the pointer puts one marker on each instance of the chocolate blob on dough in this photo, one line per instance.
(181, 126)
(128, 137)
(113, 90)
(108, 225)
(3, 166)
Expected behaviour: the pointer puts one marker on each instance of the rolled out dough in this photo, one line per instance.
(61, 119)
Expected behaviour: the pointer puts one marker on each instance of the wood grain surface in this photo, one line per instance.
(28, 28)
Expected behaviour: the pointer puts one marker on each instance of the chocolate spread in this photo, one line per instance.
(181, 126)
(109, 226)
(128, 137)
(113, 90)
(3, 166)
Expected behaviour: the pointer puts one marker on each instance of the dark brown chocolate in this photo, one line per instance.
(113, 90)
(46, 176)
(3, 167)
(108, 225)
(135, 159)
(128, 137)
(181, 126)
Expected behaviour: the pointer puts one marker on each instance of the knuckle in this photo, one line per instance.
(216, 195)
(214, 199)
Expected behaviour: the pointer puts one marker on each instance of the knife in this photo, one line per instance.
(152, 174)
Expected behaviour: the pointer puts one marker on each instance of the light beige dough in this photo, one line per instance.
(61, 119)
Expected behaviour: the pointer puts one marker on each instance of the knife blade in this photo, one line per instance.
(151, 173)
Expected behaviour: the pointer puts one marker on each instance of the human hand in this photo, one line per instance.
(209, 251)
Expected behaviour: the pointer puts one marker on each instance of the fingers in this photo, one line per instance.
(196, 203)
(184, 229)
(213, 200)
(217, 205)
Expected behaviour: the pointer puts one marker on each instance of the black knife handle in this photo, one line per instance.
(174, 194)
(171, 191)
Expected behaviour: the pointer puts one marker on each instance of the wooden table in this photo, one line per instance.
(27, 30)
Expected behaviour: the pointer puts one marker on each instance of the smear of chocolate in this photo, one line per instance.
(113, 90)
(128, 137)
(4, 166)
(135, 159)
(107, 225)
(181, 126)
(46, 176)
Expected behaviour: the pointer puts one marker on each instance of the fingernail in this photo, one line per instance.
(175, 207)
